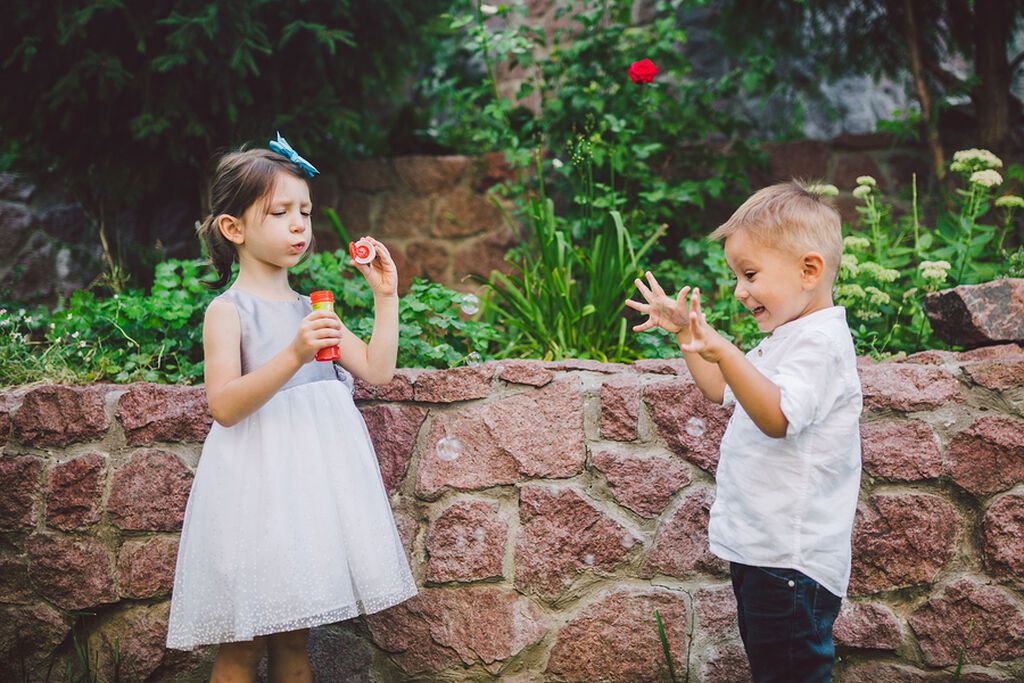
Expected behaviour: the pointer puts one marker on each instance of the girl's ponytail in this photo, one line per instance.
(220, 251)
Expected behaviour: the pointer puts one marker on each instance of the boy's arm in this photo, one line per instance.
(708, 376)
(759, 396)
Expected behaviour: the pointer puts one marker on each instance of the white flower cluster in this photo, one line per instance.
(850, 292)
(1010, 201)
(848, 265)
(823, 190)
(986, 178)
(876, 296)
(861, 191)
(968, 160)
(934, 270)
(855, 243)
(879, 272)
(866, 181)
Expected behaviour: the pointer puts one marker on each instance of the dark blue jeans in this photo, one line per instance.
(786, 622)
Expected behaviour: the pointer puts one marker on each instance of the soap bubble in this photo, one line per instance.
(470, 304)
(695, 426)
(449, 448)
(473, 359)
(588, 560)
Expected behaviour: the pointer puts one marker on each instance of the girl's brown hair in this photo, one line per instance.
(240, 180)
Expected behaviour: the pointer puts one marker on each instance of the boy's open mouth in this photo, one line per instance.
(757, 311)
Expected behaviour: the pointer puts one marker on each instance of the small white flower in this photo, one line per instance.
(53, 326)
(488, 10)
(28, 320)
(879, 272)
(70, 316)
(850, 291)
(861, 191)
(856, 243)
(557, 163)
(909, 293)
(986, 178)
(74, 335)
(1009, 201)
(3, 311)
(58, 340)
(824, 190)
(866, 180)
(877, 296)
(969, 159)
(848, 264)
(934, 270)
(81, 344)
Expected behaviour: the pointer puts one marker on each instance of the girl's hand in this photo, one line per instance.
(317, 330)
(662, 310)
(704, 340)
(381, 273)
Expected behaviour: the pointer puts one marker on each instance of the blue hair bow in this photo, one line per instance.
(282, 147)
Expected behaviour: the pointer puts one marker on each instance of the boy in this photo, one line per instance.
(789, 471)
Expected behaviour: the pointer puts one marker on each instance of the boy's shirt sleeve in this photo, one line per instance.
(808, 379)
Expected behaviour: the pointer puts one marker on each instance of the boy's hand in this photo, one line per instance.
(381, 273)
(662, 310)
(704, 340)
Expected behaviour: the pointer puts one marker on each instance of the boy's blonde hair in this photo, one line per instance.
(794, 217)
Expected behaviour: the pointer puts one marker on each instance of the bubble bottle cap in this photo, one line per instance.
(321, 296)
(362, 251)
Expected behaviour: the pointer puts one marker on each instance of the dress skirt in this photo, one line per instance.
(288, 524)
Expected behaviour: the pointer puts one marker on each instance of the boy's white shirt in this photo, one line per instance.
(790, 502)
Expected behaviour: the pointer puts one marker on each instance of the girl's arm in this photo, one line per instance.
(375, 362)
(232, 396)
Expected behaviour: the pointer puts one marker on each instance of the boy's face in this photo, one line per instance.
(772, 284)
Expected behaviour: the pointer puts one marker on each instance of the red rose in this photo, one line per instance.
(643, 71)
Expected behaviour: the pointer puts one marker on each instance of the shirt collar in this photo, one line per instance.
(811, 320)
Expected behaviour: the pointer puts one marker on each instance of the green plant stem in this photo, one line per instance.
(971, 214)
(913, 205)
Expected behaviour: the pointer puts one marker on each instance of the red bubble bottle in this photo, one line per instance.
(323, 300)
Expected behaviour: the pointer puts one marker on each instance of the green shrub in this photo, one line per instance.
(157, 336)
(891, 262)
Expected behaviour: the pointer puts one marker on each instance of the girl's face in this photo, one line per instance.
(277, 233)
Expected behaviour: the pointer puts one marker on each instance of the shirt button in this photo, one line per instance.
(792, 583)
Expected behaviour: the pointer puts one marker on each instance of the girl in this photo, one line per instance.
(288, 524)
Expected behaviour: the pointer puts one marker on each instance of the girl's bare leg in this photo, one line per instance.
(237, 662)
(288, 657)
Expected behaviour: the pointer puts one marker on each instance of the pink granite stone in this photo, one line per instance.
(562, 535)
(645, 485)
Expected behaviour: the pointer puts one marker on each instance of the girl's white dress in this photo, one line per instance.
(288, 524)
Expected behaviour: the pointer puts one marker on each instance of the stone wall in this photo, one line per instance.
(577, 506)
